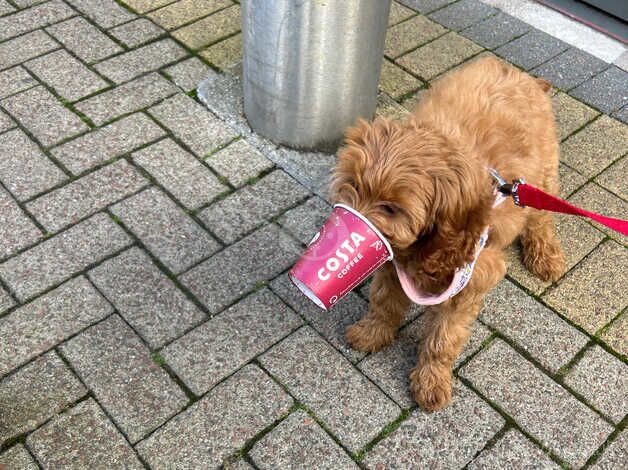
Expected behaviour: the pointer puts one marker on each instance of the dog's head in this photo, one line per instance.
(418, 189)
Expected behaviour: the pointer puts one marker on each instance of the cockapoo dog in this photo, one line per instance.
(425, 184)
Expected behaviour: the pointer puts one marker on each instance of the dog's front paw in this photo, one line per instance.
(370, 335)
(430, 388)
(549, 264)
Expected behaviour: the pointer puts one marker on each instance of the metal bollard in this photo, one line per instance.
(311, 67)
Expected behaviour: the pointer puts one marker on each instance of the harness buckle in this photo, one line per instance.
(506, 188)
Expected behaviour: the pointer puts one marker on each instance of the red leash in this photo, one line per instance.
(527, 195)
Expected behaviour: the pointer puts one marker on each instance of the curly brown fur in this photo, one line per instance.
(424, 184)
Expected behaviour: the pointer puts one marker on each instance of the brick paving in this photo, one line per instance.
(146, 319)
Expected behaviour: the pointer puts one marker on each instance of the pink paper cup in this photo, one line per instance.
(345, 251)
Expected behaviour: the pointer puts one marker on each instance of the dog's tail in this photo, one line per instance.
(543, 84)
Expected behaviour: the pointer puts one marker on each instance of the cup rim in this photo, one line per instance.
(371, 226)
(307, 291)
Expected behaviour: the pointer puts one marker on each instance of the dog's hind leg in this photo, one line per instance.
(387, 307)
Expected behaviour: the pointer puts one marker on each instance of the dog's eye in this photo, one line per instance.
(390, 210)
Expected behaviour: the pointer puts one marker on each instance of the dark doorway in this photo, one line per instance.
(607, 16)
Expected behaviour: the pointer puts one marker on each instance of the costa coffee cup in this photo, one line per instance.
(344, 252)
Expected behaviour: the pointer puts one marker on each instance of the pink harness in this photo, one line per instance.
(462, 276)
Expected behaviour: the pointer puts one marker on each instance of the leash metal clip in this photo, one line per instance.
(506, 188)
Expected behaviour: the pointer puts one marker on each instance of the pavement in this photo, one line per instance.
(146, 320)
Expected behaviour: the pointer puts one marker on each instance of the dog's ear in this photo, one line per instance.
(461, 212)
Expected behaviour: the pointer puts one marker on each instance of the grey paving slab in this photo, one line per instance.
(538, 404)
(72, 33)
(137, 32)
(34, 18)
(616, 335)
(186, 11)
(45, 322)
(18, 457)
(210, 29)
(82, 437)
(438, 56)
(398, 13)
(602, 380)
(226, 54)
(513, 450)
(45, 117)
(311, 169)
(173, 237)
(260, 256)
(597, 199)
(446, 439)
(19, 49)
(592, 294)
(219, 347)
(142, 6)
(596, 146)
(395, 81)
(606, 91)
(299, 442)
(390, 368)
(332, 324)
(188, 73)
(66, 75)
(242, 211)
(26, 3)
(570, 68)
(6, 301)
(15, 80)
(85, 196)
(462, 14)
(137, 94)
(63, 255)
(148, 300)
(216, 426)
(570, 115)
(105, 13)
(426, 6)
(239, 162)
(17, 230)
(496, 30)
(6, 122)
(570, 180)
(306, 219)
(410, 34)
(238, 465)
(201, 131)
(622, 61)
(532, 49)
(614, 455)
(222, 95)
(6, 7)
(177, 170)
(24, 170)
(34, 393)
(108, 142)
(613, 178)
(114, 363)
(125, 67)
(349, 405)
(621, 114)
(534, 327)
